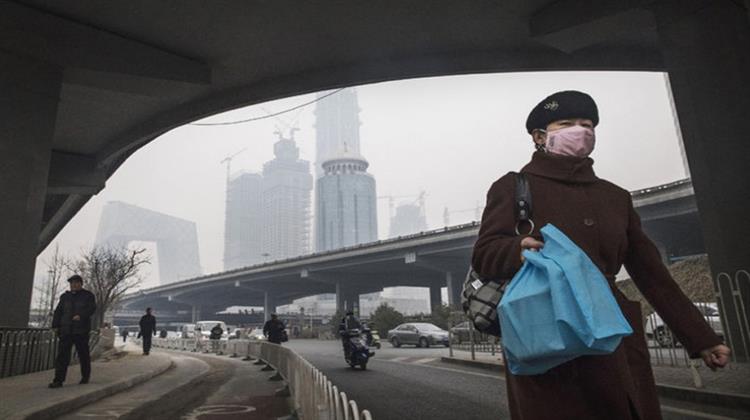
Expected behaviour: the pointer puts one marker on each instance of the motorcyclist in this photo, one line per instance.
(348, 323)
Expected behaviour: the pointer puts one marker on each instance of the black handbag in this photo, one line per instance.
(480, 296)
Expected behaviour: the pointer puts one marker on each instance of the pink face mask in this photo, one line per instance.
(571, 141)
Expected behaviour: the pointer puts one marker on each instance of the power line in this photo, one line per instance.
(269, 115)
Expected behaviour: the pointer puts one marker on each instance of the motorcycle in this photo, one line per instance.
(359, 353)
(373, 338)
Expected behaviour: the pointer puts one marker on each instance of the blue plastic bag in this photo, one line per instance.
(558, 307)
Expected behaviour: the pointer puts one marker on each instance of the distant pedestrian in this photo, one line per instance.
(72, 322)
(124, 334)
(148, 330)
(215, 336)
(274, 330)
(598, 217)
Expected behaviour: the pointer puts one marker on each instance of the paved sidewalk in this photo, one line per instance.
(730, 386)
(27, 396)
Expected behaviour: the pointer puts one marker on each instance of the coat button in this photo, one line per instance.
(588, 222)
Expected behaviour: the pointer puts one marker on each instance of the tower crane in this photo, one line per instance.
(420, 198)
(228, 161)
(477, 213)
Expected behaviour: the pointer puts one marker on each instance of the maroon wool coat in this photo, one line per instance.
(599, 217)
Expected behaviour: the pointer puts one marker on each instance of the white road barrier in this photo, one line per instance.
(315, 397)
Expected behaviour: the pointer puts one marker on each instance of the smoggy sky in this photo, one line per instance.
(449, 136)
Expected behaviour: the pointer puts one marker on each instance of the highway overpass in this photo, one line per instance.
(433, 259)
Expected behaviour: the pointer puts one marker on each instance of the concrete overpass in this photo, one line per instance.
(86, 83)
(433, 259)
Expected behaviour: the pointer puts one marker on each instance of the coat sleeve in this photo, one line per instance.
(153, 324)
(90, 306)
(643, 263)
(497, 251)
(57, 316)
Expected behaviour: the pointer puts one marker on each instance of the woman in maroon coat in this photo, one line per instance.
(599, 217)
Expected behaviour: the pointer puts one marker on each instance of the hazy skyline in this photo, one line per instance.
(449, 136)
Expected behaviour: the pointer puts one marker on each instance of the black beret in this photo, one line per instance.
(562, 105)
(75, 277)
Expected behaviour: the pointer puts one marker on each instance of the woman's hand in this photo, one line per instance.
(530, 243)
(716, 356)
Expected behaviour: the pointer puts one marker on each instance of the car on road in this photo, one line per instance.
(421, 334)
(658, 331)
(256, 334)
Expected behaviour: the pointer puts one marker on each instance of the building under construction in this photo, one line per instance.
(268, 214)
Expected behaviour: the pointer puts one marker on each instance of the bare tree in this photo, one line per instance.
(109, 273)
(51, 287)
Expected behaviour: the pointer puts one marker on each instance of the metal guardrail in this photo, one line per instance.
(28, 350)
(315, 397)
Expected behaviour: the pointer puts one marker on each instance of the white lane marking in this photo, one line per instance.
(484, 375)
(397, 359)
(694, 413)
(426, 360)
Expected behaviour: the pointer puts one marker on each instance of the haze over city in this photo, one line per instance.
(450, 137)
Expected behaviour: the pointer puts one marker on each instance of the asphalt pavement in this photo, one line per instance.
(410, 382)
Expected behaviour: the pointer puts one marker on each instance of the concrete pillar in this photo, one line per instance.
(346, 298)
(706, 51)
(269, 305)
(196, 315)
(436, 299)
(454, 285)
(28, 111)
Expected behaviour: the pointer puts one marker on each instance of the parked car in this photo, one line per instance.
(421, 334)
(657, 330)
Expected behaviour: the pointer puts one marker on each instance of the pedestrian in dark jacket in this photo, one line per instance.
(72, 322)
(148, 330)
(274, 329)
(124, 334)
(599, 217)
(216, 332)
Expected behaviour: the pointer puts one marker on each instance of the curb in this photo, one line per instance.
(55, 410)
(724, 399)
(495, 367)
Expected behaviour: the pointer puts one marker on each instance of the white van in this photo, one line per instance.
(206, 326)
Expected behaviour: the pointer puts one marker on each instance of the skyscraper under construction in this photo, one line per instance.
(287, 185)
(268, 214)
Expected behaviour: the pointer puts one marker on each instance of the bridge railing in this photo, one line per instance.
(28, 350)
(315, 397)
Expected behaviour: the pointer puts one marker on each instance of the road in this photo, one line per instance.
(408, 382)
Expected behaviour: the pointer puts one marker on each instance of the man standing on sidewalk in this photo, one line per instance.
(274, 330)
(72, 322)
(148, 329)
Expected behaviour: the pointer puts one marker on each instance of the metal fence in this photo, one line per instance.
(27, 350)
(314, 396)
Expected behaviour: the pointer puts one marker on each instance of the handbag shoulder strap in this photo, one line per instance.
(523, 206)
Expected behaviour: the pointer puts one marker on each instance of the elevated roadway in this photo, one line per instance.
(433, 259)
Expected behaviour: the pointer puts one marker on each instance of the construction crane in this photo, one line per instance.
(420, 198)
(228, 161)
(477, 213)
